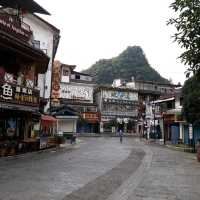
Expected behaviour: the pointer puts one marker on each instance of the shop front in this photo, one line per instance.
(18, 113)
(88, 123)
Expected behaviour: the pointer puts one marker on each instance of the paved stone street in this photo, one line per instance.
(102, 168)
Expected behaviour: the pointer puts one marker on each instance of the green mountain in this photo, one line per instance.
(130, 63)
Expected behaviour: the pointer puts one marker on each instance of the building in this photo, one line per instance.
(20, 64)
(149, 90)
(75, 90)
(115, 105)
(46, 38)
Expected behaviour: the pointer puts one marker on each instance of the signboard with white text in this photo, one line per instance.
(11, 93)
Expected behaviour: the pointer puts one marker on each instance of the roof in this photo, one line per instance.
(72, 67)
(29, 5)
(157, 83)
(80, 73)
(63, 111)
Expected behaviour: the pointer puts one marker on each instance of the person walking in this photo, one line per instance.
(120, 130)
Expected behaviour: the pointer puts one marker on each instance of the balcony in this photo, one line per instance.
(12, 25)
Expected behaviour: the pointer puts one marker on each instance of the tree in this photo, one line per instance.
(187, 25)
(191, 99)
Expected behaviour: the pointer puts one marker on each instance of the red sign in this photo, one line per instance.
(14, 27)
(92, 117)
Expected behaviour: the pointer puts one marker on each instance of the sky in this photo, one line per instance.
(97, 29)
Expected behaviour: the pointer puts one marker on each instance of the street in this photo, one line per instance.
(102, 168)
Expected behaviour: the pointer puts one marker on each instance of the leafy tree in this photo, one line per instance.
(191, 99)
(187, 24)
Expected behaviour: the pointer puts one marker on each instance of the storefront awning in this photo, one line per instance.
(164, 100)
(48, 119)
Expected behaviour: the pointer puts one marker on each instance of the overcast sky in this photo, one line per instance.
(96, 29)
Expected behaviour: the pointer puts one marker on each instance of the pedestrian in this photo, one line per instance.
(121, 136)
(120, 131)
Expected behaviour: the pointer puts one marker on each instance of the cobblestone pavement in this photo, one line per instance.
(172, 175)
(53, 175)
(102, 169)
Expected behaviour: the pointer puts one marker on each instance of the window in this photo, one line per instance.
(65, 72)
(181, 101)
(77, 76)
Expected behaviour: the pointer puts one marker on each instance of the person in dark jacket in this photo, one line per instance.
(120, 130)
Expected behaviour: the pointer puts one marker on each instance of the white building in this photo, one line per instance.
(45, 37)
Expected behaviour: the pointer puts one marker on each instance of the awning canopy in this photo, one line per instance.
(29, 5)
(164, 100)
(48, 119)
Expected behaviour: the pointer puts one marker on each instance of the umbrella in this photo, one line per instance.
(29, 5)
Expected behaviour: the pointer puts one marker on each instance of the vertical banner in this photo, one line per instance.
(56, 75)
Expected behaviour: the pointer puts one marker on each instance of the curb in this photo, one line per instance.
(28, 154)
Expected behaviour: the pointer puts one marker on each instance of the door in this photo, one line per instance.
(175, 134)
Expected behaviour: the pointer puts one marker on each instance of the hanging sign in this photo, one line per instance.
(190, 132)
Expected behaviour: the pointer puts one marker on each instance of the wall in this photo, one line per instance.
(67, 125)
(44, 34)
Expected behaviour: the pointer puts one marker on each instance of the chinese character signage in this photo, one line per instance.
(55, 93)
(120, 95)
(17, 94)
(11, 25)
(77, 92)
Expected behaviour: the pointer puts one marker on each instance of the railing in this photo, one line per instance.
(13, 25)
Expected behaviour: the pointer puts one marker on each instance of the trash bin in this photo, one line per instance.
(198, 150)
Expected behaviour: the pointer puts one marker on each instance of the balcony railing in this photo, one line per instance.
(13, 25)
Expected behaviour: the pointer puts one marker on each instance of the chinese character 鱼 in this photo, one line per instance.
(7, 92)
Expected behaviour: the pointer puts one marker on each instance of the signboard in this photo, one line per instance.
(55, 93)
(92, 117)
(13, 26)
(19, 95)
(120, 95)
(76, 92)
(190, 132)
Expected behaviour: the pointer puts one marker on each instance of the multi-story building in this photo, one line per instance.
(115, 105)
(20, 64)
(46, 38)
(148, 91)
(75, 90)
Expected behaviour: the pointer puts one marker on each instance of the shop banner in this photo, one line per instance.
(11, 93)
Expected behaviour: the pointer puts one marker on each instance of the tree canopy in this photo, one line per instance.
(187, 24)
(191, 99)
